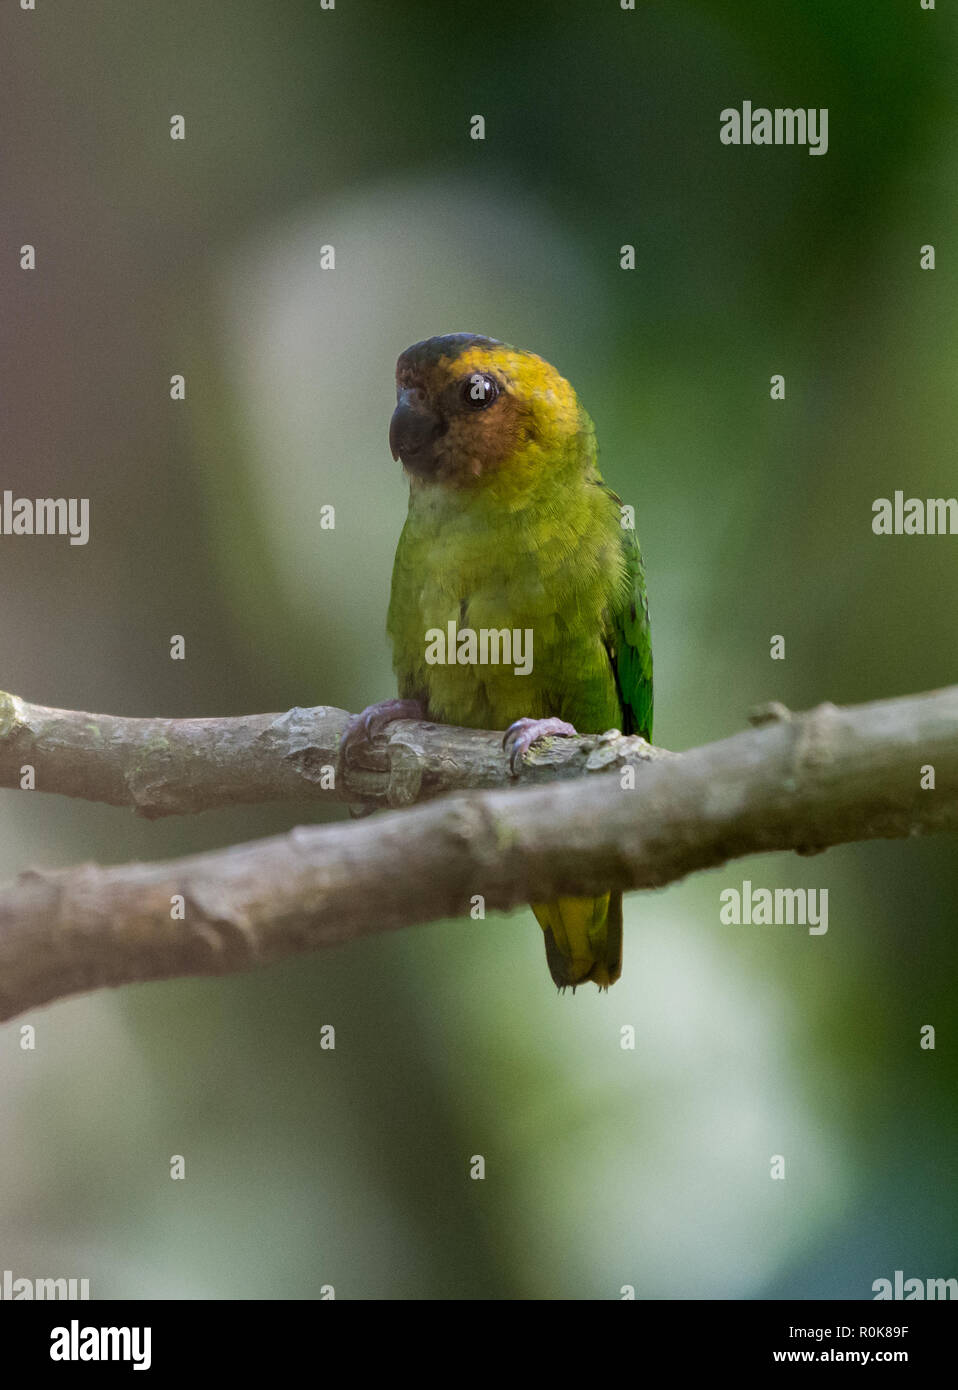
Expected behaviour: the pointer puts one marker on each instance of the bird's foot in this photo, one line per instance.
(520, 736)
(363, 727)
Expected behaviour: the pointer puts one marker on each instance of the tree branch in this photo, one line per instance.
(801, 782)
(174, 767)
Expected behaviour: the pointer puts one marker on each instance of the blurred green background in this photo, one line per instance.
(349, 127)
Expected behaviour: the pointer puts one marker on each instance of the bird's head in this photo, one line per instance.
(468, 408)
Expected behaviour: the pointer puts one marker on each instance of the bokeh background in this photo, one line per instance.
(350, 127)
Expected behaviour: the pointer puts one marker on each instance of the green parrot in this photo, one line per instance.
(510, 526)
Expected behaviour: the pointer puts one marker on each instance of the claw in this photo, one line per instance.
(523, 733)
(365, 726)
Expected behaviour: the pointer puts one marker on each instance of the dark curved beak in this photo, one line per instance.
(413, 428)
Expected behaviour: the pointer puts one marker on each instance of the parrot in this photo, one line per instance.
(510, 526)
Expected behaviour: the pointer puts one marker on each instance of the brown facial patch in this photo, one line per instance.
(534, 413)
(478, 441)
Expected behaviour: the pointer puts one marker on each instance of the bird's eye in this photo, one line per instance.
(479, 390)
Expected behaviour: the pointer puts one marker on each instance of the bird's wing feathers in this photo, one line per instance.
(629, 644)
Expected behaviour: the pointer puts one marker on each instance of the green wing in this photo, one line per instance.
(629, 644)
